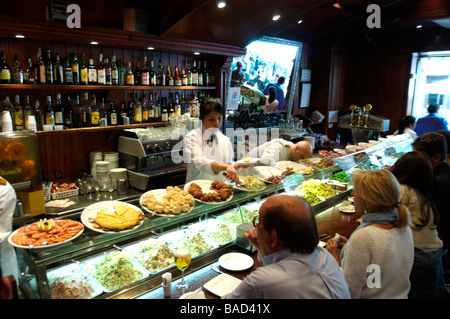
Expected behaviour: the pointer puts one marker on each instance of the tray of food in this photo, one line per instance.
(315, 191)
(318, 163)
(153, 253)
(215, 230)
(167, 202)
(267, 173)
(112, 217)
(45, 233)
(289, 167)
(63, 190)
(250, 184)
(115, 270)
(210, 192)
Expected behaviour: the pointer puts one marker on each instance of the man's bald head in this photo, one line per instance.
(292, 219)
(301, 150)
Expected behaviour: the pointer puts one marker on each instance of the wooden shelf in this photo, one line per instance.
(102, 128)
(100, 87)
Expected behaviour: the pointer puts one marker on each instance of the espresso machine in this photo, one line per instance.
(363, 123)
(151, 163)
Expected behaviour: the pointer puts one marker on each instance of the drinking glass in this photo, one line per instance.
(96, 183)
(182, 261)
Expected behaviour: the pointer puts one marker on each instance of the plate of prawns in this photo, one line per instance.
(45, 234)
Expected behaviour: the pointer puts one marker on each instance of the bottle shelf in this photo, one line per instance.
(100, 87)
(102, 128)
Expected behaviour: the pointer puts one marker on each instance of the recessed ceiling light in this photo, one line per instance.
(221, 4)
(419, 26)
(150, 48)
(300, 21)
(94, 42)
(197, 53)
(276, 17)
(20, 36)
(337, 5)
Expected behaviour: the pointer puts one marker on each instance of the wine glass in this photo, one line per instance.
(88, 183)
(96, 183)
(182, 261)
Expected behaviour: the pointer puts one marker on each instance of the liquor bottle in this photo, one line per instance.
(151, 108)
(144, 110)
(113, 118)
(59, 110)
(84, 75)
(95, 113)
(49, 114)
(194, 74)
(75, 69)
(137, 107)
(108, 78)
(17, 71)
(177, 78)
(77, 114)
(130, 112)
(102, 110)
(48, 63)
(161, 80)
(182, 103)
(18, 115)
(92, 73)
(68, 113)
(101, 73)
(152, 73)
(138, 74)
(68, 75)
(177, 104)
(39, 116)
(29, 76)
(206, 79)
(40, 68)
(184, 79)
(122, 72)
(58, 70)
(5, 75)
(200, 73)
(86, 111)
(114, 71)
(164, 111)
(169, 77)
(189, 73)
(130, 75)
(145, 75)
(122, 114)
(170, 106)
(27, 111)
(157, 108)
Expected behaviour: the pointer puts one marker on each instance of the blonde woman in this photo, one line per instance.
(377, 259)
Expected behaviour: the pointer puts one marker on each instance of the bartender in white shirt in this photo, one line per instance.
(208, 152)
(279, 149)
(8, 256)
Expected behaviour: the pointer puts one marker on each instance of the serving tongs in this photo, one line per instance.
(228, 181)
(325, 237)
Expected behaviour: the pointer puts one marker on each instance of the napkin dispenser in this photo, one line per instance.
(241, 241)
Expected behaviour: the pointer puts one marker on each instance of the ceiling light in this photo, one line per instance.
(300, 21)
(419, 26)
(197, 53)
(20, 36)
(94, 42)
(221, 4)
(337, 5)
(276, 17)
(150, 48)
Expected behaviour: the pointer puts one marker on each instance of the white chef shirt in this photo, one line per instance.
(272, 152)
(8, 256)
(200, 152)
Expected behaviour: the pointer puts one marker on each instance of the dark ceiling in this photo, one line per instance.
(243, 21)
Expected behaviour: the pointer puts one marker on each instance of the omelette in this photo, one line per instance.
(120, 218)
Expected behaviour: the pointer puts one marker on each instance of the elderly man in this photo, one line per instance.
(293, 266)
(281, 150)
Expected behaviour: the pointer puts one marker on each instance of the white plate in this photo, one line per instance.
(205, 186)
(249, 190)
(236, 261)
(222, 284)
(283, 165)
(251, 161)
(90, 212)
(347, 211)
(263, 172)
(159, 193)
(10, 241)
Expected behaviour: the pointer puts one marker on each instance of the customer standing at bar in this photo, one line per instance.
(293, 266)
(431, 122)
(207, 151)
(377, 258)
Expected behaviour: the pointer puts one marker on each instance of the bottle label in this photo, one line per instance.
(95, 117)
(84, 76)
(178, 82)
(164, 117)
(68, 76)
(113, 118)
(130, 79)
(101, 76)
(138, 115)
(115, 76)
(74, 67)
(145, 78)
(93, 75)
(171, 82)
(194, 78)
(145, 116)
(50, 120)
(200, 80)
(5, 75)
(59, 117)
(184, 81)
(18, 119)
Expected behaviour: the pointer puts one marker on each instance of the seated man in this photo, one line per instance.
(281, 150)
(293, 266)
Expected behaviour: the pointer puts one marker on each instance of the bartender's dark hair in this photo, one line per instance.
(208, 105)
(294, 222)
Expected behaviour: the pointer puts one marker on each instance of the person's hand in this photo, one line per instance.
(333, 249)
(252, 236)
(232, 174)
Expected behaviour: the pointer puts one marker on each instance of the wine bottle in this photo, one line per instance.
(17, 71)
(113, 116)
(92, 73)
(200, 74)
(68, 75)
(58, 70)
(130, 75)
(68, 113)
(84, 75)
(18, 115)
(39, 116)
(48, 64)
(29, 75)
(95, 112)
(59, 110)
(153, 79)
(138, 74)
(161, 75)
(114, 71)
(194, 74)
(49, 113)
(145, 75)
(108, 77)
(169, 77)
(164, 112)
(101, 75)
(5, 70)
(137, 110)
(27, 111)
(41, 68)
(75, 69)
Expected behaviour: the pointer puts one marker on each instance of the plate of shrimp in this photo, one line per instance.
(210, 192)
(32, 237)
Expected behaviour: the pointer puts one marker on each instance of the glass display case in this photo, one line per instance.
(145, 252)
